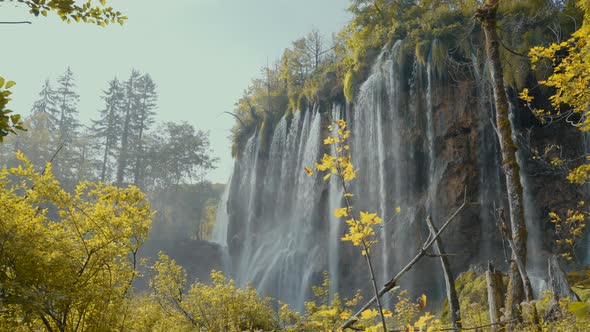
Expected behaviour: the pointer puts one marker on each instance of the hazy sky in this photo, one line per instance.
(202, 54)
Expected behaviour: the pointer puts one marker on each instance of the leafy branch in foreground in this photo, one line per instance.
(87, 11)
(360, 231)
(9, 123)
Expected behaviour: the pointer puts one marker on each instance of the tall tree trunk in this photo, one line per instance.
(495, 295)
(137, 174)
(123, 156)
(487, 15)
(103, 172)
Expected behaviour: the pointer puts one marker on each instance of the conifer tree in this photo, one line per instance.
(67, 102)
(108, 127)
(67, 128)
(127, 132)
(143, 119)
(45, 107)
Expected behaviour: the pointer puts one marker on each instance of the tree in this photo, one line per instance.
(487, 15)
(86, 11)
(67, 261)
(46, 104)
(570, 78)
(179, 154)
(70, 10)
(67, 102)
(143, 119)
(130, 103)
(108, 127)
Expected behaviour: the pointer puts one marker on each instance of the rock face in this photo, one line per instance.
(419, 142)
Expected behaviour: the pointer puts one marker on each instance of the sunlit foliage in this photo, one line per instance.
(67, 259)
(9, 122)
(317, 71)
(88, 11)
(569, 80)
(569, 229)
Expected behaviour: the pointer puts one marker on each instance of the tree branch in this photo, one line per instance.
(16, 22)
(391, 284)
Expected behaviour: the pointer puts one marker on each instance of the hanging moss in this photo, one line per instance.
(438, 56)
(422, 51)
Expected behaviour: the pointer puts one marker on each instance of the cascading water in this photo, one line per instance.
(220, 229)
(279, 254)
(417, 143)
(222, 218)
(335, 201)
(368, 136)
(248, 189)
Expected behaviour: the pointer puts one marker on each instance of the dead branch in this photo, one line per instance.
(391, 284)
(237, 117)
(17, 22)
(454, 308)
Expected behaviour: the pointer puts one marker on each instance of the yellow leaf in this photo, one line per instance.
(341, 212)
(309, 171)
(421, 302)
(369, 313)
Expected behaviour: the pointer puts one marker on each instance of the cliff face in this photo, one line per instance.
(419, 142)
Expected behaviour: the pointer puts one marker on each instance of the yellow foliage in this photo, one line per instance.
(341, 212)
(71, 252)
(569, 228)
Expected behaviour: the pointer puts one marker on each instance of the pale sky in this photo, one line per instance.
(202, 54)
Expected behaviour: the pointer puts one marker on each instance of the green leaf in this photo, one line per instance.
(580, 309)
(15, 118)
(1, 81)
(10, 84)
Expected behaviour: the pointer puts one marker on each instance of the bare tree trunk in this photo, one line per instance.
(495, 287)
(454, 308)
(487, 15)
(560, 288)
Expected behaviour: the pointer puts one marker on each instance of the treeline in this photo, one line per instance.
(317, 70)
(123, 145)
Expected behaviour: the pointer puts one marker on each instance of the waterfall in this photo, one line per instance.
(220, 229)
(368, 145)
(276, 201)
(248, 188)
(430, 134)
(417, 143)
(219, 235)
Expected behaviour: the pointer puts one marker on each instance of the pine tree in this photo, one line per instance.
(45, 109)
(108, 127)
(127, 132)
(67, 102)
(40, 141)
(143, 119)
(67, 127)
